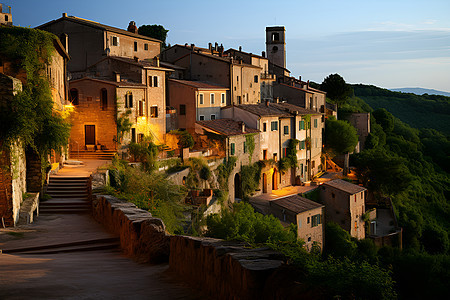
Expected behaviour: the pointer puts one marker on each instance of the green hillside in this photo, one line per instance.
(425, 111)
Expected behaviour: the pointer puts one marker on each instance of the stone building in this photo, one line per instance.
(22, 169)
(89, 41)
(306, 214)
(5, 15)
(361, 121)
(225, 138)
(195, 101)
(266, 78)
(276, 45)
(345, 205)
(242, 79)
(279, 123)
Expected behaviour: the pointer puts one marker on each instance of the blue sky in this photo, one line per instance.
(388, 43)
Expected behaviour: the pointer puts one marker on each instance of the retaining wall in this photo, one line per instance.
(220, 269)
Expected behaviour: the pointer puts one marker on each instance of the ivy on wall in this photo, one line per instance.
(30, 117)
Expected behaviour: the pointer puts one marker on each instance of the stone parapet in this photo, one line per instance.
(220, 269)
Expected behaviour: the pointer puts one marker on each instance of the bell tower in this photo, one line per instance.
(276, 45)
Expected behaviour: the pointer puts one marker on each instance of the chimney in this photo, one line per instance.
(307, 84)
(216, 46)
(64, 15)
(263, 54)
(300, 78)
(277, 100)
(267, 103)
(242, 127)
(65, 41)
(117, 77)
(240, 48)
(210, 46)
(132, 27)
(192, 46)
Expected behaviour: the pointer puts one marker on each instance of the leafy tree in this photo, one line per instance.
(384, 118)
(337, 89)
(185, 138)
(382, 171)
(154, 31)
(244, 224)
(340, 138)
(339, 243)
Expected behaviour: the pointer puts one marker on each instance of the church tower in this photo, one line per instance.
(5, 15)
(276, 45)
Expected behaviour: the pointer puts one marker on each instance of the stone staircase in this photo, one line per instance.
(97, 155)
(112, 243)
(70, 195)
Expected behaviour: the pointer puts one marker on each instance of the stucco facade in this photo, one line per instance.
(196, 101)
(89, 41)
(345, 205)
(306, 214)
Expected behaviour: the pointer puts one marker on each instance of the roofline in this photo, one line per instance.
(99, 26)
(294, 87)
(363, 188)
(251, 54)
(234, 63)
(199, 88)
(114, 83)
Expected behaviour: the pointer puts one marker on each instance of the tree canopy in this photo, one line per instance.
(337, 89)
(154, 31)
(340, 136)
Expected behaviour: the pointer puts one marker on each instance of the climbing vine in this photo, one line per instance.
(30, 117)
(290, 161)
(123, 124)
(223, 172)
(250, 143)
(251, 177)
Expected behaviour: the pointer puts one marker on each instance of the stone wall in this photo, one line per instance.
(220, 269)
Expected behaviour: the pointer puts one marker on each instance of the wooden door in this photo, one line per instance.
(89, 134)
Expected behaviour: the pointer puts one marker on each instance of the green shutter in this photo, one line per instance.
(232, 149)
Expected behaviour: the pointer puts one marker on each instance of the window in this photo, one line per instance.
(88, 98)
(129, 100)
(154, 112)
(140, 137)
(274, 126)
(275, 37)
(302, 145)
(150, 81)
(155, 81)
(201, 98)
(239, 99)
(286, 130)
(133, 135)
(211, 97)
(145, 46)
(245, 147)
(182, 109)
(255, 79)
(237, 78)
(74, 96)
(265, 154)
(104, 99)
(115, 41)
(316, 220)
(135, 46)
(202, 118)
(301, 125)
(307, 220)
(141, 108)
(213, 117)
(222, 98)
(315, 123)
(232, 149)
(264, 126)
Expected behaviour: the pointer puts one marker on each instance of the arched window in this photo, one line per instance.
(74, 96)
(104, 99)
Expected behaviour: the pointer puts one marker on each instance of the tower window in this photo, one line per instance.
(275, 37)
(274, 49)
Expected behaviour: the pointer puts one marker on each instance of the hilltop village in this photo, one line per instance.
(120, 89)
(192, 137)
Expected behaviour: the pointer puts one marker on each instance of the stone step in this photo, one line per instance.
(62, 246)
(64, 200)
(57, 211)
(56, 183)
(64, 188)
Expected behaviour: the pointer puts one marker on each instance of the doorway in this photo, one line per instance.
(89, 134)
(275, 180)
(264, 183)
(237, 187)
